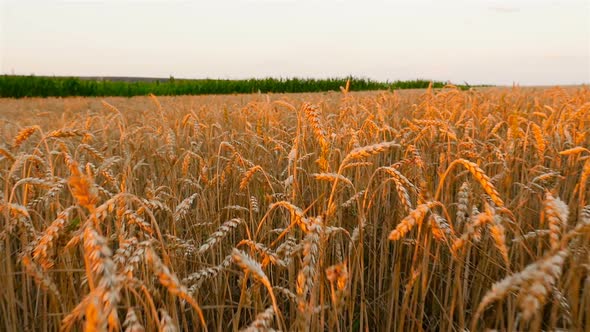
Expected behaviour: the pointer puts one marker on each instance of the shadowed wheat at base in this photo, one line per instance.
(434, 210)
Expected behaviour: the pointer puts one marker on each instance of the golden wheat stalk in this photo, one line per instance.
(82, 188)
(171, 282)
(311, 248)
(4, 152)
(219, 234)
(416, 216)
(473, 231)
(441, 229)
(400, 186)
(249, 265)
(583, 182)
(462, 204)
(297, 215)
(262, 322)
(195, 279)
(369, 150)
(94, 314)
(540, 142)
(66, 133)
(574, 151)
(498, 233)
(24, 135)
(332, 177)
(268, 256)
(40, 278)
(99, 258)
(49, 237)
(166, 322)
(132, 323)
(556, 213)
(533, 284)
(479, 175)
(183, 208)
(313, 116)
(248, 175)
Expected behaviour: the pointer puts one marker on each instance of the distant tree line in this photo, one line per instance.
(38, 86)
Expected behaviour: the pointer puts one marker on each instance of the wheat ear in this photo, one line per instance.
(131, 323)
(369, 150)
(416, 216)
(479, 175)
(166, 322)
(249, 265)
(557, 213)
(219, 234)
(24, 135)
(262, 322)
(171, 282)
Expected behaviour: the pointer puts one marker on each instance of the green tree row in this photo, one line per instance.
(36, 86)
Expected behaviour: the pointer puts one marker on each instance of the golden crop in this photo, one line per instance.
(418, 210)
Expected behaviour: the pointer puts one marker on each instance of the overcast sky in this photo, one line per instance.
(497, 42)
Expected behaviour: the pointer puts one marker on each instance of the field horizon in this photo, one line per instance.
(63, 86)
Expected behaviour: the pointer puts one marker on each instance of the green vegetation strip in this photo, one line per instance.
(37, 86)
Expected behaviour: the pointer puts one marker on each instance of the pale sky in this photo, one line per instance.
(534, 42)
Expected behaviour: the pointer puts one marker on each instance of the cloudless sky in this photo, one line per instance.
(530, 42)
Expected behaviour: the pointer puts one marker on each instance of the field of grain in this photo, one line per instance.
(391, 211)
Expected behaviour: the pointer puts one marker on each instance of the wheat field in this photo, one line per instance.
(420, 210)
